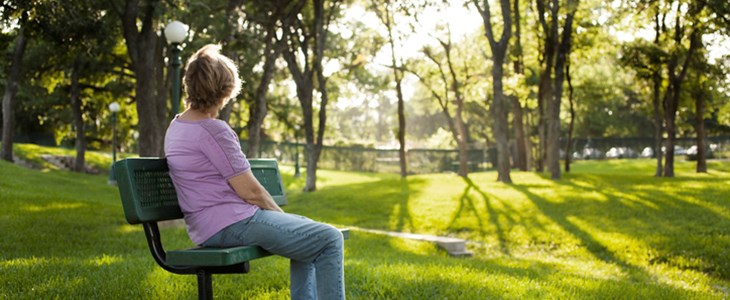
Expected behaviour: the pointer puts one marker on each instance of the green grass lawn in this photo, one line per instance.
(607, 230)
(32, 154)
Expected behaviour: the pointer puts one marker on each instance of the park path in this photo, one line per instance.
(454, 246)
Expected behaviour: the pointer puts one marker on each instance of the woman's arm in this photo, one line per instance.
(251, 191)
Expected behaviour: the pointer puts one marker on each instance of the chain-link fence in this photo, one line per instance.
(377, 160)
(438, 160)
(619, 148)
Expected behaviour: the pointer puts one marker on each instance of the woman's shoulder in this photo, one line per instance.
(215, 126)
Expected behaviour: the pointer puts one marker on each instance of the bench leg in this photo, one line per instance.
(205, 285)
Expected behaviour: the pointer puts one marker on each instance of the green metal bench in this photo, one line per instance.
(148, 196)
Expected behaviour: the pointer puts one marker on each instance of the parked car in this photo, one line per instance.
(621, 152)
(678, 150)
(592, 153)
(692, 152)
(647, 152)
(577, 155)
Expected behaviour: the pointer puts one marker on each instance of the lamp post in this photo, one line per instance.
(114, 109)
(296, 152)
(175, 33)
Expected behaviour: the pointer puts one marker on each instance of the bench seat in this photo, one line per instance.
(216, 257)
(205, 256)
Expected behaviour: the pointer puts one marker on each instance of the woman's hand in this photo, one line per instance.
(249, 189)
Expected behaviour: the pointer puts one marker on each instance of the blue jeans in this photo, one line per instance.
(315, 250)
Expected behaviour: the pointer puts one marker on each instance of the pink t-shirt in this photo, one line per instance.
(202, 156)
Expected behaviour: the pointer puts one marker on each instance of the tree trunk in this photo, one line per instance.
(320, 40)
(401, 131)
(554, 107)
(462, 142)
(701, 135)
(521, 139)
(300, 40)
(499, 108)
(500, 125)
(569, 142)
(460, 132)
(259, 109)
(456, 123)
(225, 113)
(311, 180)
(670, 114)
(656, 104)
(528, 144)
(553, 137)
(658, 128)
(519, 128)
(144, 52)
(231, 18)
(78, 119)
(398, 77)
(539, 160)
(161, 98)
(674, 91)
(305, 100)
(151, 116)
(255, 121)
(11, 89)
(545, 92)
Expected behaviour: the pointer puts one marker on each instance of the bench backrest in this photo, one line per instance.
(148, 194)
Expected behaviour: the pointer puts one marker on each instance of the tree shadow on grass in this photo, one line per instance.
(467, 205)
(666, 224)
(588, 242)
(403, 218)
(377, 268)
(551, 211)
(382, 204)
(684, 221)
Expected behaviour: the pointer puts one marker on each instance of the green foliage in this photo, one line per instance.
(604, 231)
(607, 103)
(362, 106)
(61, 39)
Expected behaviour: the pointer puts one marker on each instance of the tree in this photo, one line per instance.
(677, 66)
(522, 140)
(677, 49)
(11, 88)
(571, 125)
(387, 17)
(645, 59)
(703, 83)
(656, 79)
(140, 24)
(81, 44)
(499, 108)
(555, 54)
(447, 84)
(306, 35)
(257, 41)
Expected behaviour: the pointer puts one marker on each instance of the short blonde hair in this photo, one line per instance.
(211, 79)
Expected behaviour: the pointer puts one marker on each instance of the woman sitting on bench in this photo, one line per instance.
(223, 203)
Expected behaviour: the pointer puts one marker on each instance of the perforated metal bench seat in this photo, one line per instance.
(215, 256)
(205, 256)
